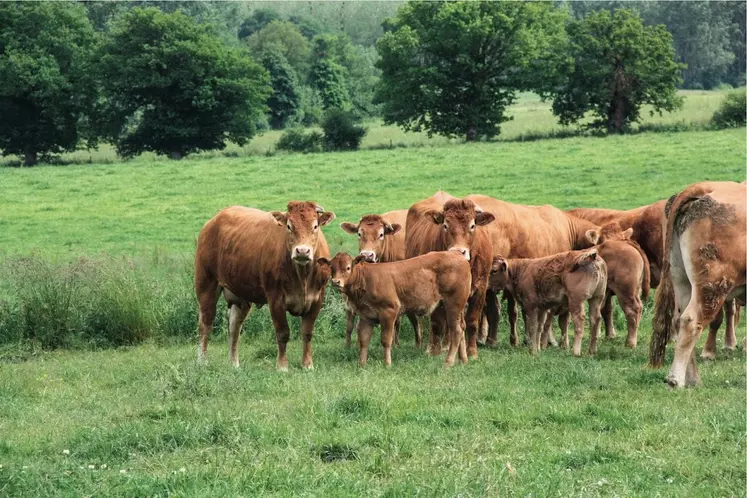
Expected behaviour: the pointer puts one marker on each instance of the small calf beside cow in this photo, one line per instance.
(449, 258)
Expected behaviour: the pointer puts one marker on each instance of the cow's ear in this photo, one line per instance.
(358, 259)
(326, 217)
(483, 218)
(627, 234)
(585, 258)
(392, 229)
(350, 228)
(499, 264)
(279, 218)
(323, 261)
(592, 236)
(436, 216)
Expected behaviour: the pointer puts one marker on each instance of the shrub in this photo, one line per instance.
(341, 131)
(296, 140)
(732, 112)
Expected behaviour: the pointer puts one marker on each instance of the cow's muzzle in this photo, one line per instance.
(302, 254)
(370, 256)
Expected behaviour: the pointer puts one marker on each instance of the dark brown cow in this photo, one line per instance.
(521, 231)
(379, 293)
(704, 265)
(628, 277)
(555, 284)
(646, 222)
(381, 239)
(255, 257)
(443, 223)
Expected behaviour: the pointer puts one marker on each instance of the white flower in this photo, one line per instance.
(91, 467)
(182, 470)
(65, 452)
(103, 465)
(25, 467)
(123, 471)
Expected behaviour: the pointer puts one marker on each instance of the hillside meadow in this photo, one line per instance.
(146, 421)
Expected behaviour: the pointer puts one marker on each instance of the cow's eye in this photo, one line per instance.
(316, 226)
(359, 235)
(381, 236)
(446, 227)
(290, 229)
(347, 269)
(472, 227)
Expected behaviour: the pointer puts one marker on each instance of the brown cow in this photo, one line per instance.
(379, 293)
(255, 257)
(628, 277)
(646, 222)
(521, 231)
(554, 284)
(704, 265)
(442, 222)
(381, 239)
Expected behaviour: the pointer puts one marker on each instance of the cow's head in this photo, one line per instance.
(302, 223)
(342, 266)
(610, 231)
(499, 274)
(459, 221)
(372, 231)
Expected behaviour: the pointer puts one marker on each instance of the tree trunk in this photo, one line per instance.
(30, 158)
(175, 155)
(471, 133)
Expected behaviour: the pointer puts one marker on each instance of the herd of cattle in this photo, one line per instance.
(450, 258)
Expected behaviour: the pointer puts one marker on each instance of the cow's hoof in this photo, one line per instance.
(708, 355)
(282, 368)
(309, 367)
(672, 382)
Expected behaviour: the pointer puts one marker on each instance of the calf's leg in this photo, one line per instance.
(365, 329)
(350, 323)
(493, 315)
(236, 316)
(512, 317)
(730, 341)
(532, 321)
(632, 307)
(388, 321)
(416, 328)
(576, 310)
(438, 323)
(608, 313)
(595, 316)
(472, 317)
(563, 323)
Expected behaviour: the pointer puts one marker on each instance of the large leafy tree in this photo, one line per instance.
(327, 76)
(284, 103)
(283, 36)
(618, 65)
(173, 88)
(452, 68)
(46, 89)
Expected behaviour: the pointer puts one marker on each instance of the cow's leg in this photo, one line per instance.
(350, 323)
(608, 312)
(365, 329)
(236, 316)
(282, 331)
(208, 292)
(545, 329)
(307, 333)
(550, 333)
(456, 336)
(576, 309)
(493, 315)
(416, 328)
(396, 331)
(730, 341)
(388, 321)
(474, 313)
(632, 307)
(709, 349)
(563, 323)
(526, 327)
(532, 322)
(438, 322)
(511, 307)
(595, 317)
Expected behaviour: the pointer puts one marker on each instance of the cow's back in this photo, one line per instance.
(421, 233)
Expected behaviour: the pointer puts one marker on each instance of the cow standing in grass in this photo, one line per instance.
(704, 265)
(254, 257)
(381, 239)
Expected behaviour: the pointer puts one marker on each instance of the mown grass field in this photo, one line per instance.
(146, 421)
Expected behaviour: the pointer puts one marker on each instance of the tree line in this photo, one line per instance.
(180, 77)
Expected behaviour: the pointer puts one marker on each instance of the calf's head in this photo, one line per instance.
(459, 221)
(499, 274)
(302, 223)
(610, 231)
(341, 267)
(372, 231)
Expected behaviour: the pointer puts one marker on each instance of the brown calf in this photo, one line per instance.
(379, 293)
(381, 239)
(444, 223)
(554, 284)
(254, 257)
(704, 265)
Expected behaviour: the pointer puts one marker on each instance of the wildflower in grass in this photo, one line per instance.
(65, 452)
(92, 467)
(122, 471)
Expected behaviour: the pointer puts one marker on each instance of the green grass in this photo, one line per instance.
(506, 424)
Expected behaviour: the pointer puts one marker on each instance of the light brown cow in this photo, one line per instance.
(554, 284)
(381, 239)
(628, 277)
(646, 222)
(521, 231)
(255, 257)
(379, 293)
(442, 222)
(704, 265)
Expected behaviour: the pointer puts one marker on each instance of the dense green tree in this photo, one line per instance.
(46, 88)
(172, 87)
(284, 102)
(618, 66)
(327, 75)
(258, 20)
(452, 68)
(283, 36)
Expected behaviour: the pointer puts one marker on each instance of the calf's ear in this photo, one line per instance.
(499, 264)
(325, 218)
(482, 218)
(350, 228)
(627, 234)
(358, 259)
(436, 216)
(392, 229)
(279, 217)
(592, 236)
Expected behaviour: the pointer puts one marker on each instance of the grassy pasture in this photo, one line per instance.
(145, 421)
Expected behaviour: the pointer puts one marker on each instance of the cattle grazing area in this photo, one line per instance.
(98, 256)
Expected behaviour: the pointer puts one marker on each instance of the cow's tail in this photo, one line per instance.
(663, 328)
